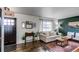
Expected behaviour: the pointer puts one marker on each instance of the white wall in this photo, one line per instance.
(21, 31)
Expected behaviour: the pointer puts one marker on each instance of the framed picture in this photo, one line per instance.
(29, 25)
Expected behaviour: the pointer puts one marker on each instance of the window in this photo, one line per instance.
(47, 26)
(8, 22)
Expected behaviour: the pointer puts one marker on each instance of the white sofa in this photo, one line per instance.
(48, 36)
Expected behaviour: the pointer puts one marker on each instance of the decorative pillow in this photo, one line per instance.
(47, 33)
(52, 33)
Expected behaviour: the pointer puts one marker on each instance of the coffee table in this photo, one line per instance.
(62, 41)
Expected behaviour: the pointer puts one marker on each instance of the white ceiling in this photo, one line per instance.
(51, 12)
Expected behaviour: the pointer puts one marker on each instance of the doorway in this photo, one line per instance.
(9, 34)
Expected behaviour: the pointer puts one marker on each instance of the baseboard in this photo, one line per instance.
(74, 40)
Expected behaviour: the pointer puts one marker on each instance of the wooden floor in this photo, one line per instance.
(37, 46)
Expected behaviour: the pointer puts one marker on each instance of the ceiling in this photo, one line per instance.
(50, 12)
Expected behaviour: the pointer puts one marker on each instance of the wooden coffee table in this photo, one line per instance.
(62, 41)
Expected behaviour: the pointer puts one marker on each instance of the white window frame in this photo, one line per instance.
(47, 24)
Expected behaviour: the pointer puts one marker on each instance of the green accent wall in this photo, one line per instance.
(64, 28)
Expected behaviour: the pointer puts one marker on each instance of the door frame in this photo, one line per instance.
(15, 26)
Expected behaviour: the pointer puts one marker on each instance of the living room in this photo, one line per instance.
(41, 29)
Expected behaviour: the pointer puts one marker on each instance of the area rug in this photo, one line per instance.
(52, 47)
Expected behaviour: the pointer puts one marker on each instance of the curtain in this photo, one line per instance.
(41, 25)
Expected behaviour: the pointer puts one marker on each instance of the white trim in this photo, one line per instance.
(2, 32)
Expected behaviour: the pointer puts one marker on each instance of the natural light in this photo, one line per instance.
(47, 26)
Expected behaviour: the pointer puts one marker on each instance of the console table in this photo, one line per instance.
(29, 34)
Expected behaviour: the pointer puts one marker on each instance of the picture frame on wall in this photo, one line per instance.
(28, 24)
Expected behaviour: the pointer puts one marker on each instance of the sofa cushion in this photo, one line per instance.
(52, 33)
(48, 33)
(45, 33)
